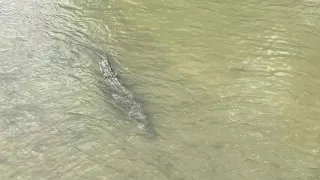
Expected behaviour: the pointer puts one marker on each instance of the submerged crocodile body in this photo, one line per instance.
(122, 97)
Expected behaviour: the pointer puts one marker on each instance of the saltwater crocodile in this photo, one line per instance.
(122, 97)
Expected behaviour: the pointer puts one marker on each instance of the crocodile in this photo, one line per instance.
(124, 98)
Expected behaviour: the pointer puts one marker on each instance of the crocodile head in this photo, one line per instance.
(144, 124)
(137, 113)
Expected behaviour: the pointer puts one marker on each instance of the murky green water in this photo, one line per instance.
(232, 89)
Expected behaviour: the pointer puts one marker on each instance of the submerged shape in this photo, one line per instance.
(123, 98)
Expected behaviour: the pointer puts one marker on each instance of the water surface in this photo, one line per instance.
(231, 88)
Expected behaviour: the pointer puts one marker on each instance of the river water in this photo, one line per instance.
(230, 87)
